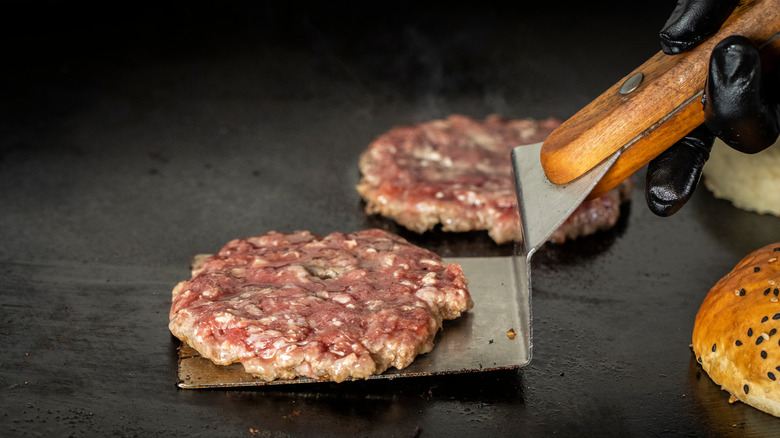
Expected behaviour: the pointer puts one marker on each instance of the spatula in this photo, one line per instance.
(622, 130)
(608, 140)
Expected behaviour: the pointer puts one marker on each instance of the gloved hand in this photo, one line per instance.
(741, 106)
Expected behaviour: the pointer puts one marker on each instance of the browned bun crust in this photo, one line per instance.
(736, 336)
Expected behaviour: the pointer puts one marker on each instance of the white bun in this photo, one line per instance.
(750, 181)
(736, 336)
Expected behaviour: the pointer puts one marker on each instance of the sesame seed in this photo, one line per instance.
(776, 291)
(713, 347)
(776, 248)
(736, 291)
(763, 354)
(777, 368)
(746, 389)
(766, 292)
(774, 299)
(771, 375)
(750, 332)
(756, 269)
(776, 316)
(738, 343)
(772, 332)
(772, 260)
(765, 319)
(759, 340)
(742, 292)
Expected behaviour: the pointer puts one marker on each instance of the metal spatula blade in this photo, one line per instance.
(543, 205)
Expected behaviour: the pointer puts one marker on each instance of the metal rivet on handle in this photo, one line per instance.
(631, 84)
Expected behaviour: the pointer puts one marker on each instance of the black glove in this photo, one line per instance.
(741, 106)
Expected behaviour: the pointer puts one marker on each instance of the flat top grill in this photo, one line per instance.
(131, 142)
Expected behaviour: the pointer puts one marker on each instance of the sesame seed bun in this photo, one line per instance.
(750, 181)
(736, 336)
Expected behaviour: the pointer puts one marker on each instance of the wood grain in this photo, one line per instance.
(666, 105)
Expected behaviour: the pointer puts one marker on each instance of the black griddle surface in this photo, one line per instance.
(134, 136)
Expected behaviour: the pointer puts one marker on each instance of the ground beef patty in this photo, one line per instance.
(330, 308)
(457, 172)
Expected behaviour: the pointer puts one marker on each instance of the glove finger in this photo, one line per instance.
(693, 21)
(737, 105)
(673, 175)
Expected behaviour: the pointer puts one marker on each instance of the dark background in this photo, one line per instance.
(135, 135)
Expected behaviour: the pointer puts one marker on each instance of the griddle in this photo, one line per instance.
(132, 141)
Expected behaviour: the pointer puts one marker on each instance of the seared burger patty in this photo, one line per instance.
(457, 172)
(331, 308)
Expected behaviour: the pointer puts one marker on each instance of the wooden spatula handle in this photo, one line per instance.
(647, 118)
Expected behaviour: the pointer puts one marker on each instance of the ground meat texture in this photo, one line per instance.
(329, 308)
(457, 172)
